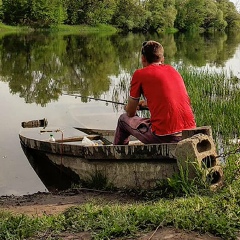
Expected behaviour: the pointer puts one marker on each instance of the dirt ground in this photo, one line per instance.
(53, 203)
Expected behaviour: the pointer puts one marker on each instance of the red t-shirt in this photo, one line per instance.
(167, 98)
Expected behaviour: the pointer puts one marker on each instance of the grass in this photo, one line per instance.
(6, 28)
(69, 29)
(86, 29)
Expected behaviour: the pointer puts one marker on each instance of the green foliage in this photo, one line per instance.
(190, 15)
(73, 9)
(213, 17)
(128, 15)
(90, 12)
(15, 11)
(217, 15)
(10, 29)
(230, 13)
(102, 29)
(162, 14)
(181, 184)
(100, 12)
(232, 167)
(1, 10)
(34, 13)
(45, 13)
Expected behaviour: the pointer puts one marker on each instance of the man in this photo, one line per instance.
(166, 97)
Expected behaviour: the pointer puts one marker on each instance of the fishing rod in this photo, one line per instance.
(103, 100)
(96, 99)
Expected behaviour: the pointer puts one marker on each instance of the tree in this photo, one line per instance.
(45, 13)
(196, 14)
(162, 14)
(213, 18)
(181, 22)
(90, 12)
(73, 10)
(1, 10)
(36, 13)
(100, 12)
(15, 11)
(230, 13)
(130, 15)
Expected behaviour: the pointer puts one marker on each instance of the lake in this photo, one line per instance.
(40, 71)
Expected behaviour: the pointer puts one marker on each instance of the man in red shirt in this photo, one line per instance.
(166, 97)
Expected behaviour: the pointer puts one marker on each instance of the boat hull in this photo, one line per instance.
(118, 173)
(121, 166)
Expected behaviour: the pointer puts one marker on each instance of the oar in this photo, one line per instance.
(100, 99)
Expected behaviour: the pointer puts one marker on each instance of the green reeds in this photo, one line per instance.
(215, 99)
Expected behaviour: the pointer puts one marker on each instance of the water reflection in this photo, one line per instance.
(212, 49)
(39, 67)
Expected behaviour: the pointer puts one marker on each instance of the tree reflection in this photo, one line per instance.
(201, 49)
(40, 67)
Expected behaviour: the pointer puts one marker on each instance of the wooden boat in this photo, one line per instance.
(135, 165)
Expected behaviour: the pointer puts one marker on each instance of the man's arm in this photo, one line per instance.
(131, 107)
(134, 105)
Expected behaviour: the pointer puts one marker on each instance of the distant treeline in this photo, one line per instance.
(128, 15)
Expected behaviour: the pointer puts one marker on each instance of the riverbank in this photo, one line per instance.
(53, 204)
(69, 29)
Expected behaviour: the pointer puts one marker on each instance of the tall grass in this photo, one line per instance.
(215, 99)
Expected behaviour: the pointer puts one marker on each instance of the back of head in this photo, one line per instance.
(153, 51)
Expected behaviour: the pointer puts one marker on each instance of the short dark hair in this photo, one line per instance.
(153, 51)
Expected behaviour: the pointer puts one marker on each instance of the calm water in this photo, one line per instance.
(36, 70)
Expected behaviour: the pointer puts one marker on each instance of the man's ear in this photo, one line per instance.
(144, 61)
(162, 60)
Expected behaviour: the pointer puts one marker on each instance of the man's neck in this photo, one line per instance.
(154, 63)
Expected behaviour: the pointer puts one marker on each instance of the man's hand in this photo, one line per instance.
(142, 105)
